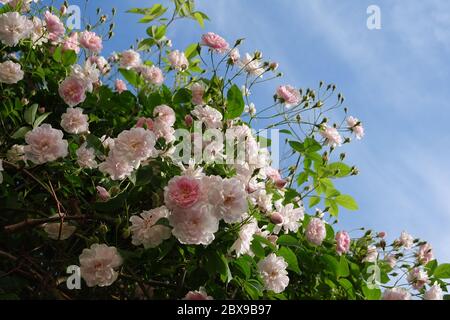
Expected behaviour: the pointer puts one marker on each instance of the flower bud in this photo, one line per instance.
(188, 120)
(63, 10)
(273, 239)
(273, 66)
(276, 218)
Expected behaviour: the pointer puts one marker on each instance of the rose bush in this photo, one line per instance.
(119, 165)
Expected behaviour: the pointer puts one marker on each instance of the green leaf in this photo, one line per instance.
(243, 264)
(20, 133)
(297, 146)
(341, 168)
(347, 202)
(314, 200)
(288, 241)
(236, 103)
(40, 119)
(371, 294)
(57, 54)
(253, 289)
(199, 17)
(182, 96)
(131, 76)
(302, 178)
(257, 248)
(69, 57)
(290, 258)
(30, 114)
(333, 209)
(192, 51)
(343, 270)
(442, 271)
(431, 267)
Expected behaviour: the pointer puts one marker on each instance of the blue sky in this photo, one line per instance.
(396, 80)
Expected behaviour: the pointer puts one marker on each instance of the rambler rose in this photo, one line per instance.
(45, 144)
(10, 72)
(120, 86)
(151, 74)
(73, 91)
(14, 28)
(91, 41)
(74, 121)
(86, 157)
(164, 114)
(98, 265)
(273, 272)
(130, 59)
(182, 192)
(316, 231)
(54, 26)
(71, 43)
(103, 194)
(331, 135)
(199, 294)
(234, 55)
(425, 254)
(288, 95)
(178, 60)
(396, 294)
(342, 242)
(198, 90)
(145, 230)
(215, 42)
(356, 127)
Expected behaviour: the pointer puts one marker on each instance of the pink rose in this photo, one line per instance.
(188, 120)
(288, 95)
(151, 74)
(215, 42)
(54, 26)
(342, 242)
(182, 192)
(73, 91)
(198, 90)
(316, 231)
(165, 114)
(145, 121)
(200, 294)
(71, 43)
(120, 86)
(91, 41)
(425, 254)
(103, 194)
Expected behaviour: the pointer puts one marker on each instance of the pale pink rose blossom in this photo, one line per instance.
(418, 278)
(195, 224)
(291, 217)
(316, 231)
(58, 231)
(425, 254)
(198, 90)
(91, 41)
(129, 59)
(371, 255)
(14, 28)
(54, 26)
(406, 240)
(120, 86)
(273, 272)
(242, 244)
(10, 72)
(183, 192)
(331, 135)
(103, 194)
(86, 157)
(135, 145)
(252, 66)
(147, 123)
(151, 74)
(71, 43)
(116, 167)
(199, 294)
(74, 121)
(391, 260)
(356, 127)
(145, 230)
(434, 293)
(396, 294)
(215, 42)
(73, 91)
(342, 242)
(101, 63)
(38, 32)
(234, 55)
(16, 153)
(89, 74)
(211, 117)
(45, 144)
(165, 114)
(288, 95)
(98, 265)
(274, 175)
(162, 130)
(178, 60)
(234, 206)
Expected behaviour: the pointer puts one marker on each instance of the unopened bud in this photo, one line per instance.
(276, 218)
(188, 120)
(273, 66)
(258, 55)
(273, 239)
(63, 10)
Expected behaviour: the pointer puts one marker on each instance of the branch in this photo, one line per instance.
(31, 223)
